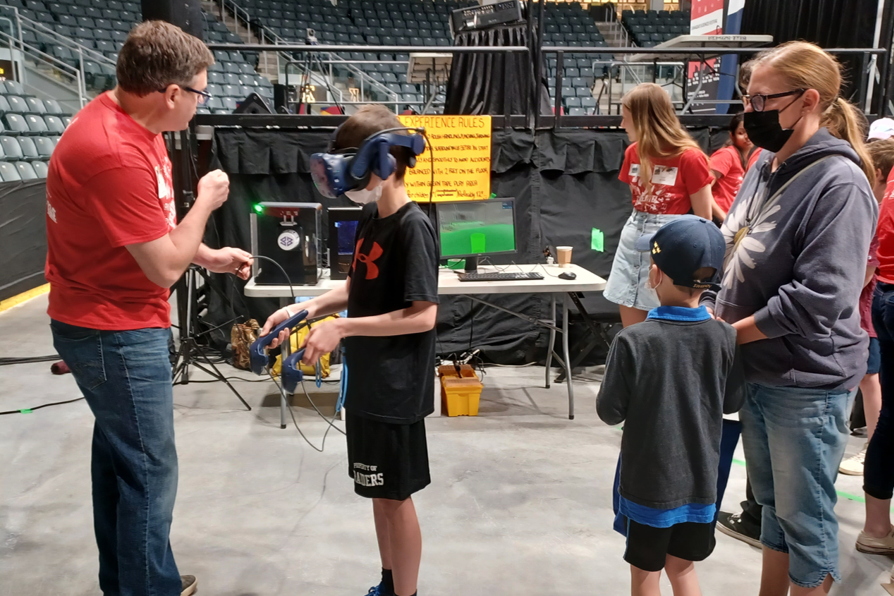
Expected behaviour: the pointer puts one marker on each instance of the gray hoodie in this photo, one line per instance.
(798, 266)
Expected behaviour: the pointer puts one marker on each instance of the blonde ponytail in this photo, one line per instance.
(845, 122)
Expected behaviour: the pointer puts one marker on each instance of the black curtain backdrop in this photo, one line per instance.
(565, 184)
(23, 239)
(828, 23)
(493, 83)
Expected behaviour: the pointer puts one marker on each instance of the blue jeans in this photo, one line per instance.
(794, 440)
(878, 471)
(126, 378)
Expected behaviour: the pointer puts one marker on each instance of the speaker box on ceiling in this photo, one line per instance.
(186, 14)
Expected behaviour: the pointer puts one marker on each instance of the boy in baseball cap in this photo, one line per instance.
(670, 379)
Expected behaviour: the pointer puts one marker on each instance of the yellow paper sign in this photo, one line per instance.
(461, 152)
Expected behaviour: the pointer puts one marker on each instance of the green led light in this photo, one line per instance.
(259, 208)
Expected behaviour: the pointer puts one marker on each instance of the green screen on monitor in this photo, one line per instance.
(470, 228)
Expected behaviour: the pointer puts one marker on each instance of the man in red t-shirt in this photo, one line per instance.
(114, 250)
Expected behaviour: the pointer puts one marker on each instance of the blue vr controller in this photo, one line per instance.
(258, 351)
(291, 371)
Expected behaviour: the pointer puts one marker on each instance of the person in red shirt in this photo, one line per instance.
(728, 165)
(668, 176)
(114, 250)
(877, 536)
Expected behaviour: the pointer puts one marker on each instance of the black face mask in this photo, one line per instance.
(764, 130)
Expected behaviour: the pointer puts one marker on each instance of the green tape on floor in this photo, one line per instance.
(25, 411)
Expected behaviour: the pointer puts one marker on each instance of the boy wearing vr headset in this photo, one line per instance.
(391, 295)
(670, 379)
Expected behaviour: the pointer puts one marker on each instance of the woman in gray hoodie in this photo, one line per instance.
(797, 238)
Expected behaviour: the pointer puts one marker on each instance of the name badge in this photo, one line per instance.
(634, 170)
(664, 175)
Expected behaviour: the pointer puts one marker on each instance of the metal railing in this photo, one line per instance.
(284, 59)
(42, 58)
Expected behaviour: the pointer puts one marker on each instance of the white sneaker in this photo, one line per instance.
(853, 466)
(188, 585)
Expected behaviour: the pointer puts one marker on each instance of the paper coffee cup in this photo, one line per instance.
(564, 256)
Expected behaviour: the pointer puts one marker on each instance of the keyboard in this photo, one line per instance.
(494, 276)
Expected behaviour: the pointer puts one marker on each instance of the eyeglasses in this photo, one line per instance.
(204, 96)
(759, 101)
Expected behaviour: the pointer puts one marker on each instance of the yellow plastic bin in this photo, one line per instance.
(460, 395)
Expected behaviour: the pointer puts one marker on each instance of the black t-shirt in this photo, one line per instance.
(391, 379)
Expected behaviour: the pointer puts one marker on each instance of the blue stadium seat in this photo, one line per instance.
(4, 105)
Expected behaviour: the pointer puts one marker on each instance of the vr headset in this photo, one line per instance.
(350, 169)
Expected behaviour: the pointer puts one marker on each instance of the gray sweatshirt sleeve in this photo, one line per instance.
(614, 393)
(829, 270)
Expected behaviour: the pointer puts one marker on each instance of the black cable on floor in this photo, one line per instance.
(29, 360)
(29, 410)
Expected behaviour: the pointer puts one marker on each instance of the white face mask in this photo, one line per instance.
(364, 196)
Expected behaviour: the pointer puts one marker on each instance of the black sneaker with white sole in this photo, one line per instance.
(188, 585)
(733, 525)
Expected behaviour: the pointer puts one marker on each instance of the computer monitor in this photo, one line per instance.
(342, 232)
(469, 229)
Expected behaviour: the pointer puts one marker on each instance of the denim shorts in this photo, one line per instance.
(630, 269)
(794, 440)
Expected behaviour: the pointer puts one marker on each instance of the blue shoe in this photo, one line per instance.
(375, 591)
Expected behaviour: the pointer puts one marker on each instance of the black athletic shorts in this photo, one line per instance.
(386, 461)
(648, 547)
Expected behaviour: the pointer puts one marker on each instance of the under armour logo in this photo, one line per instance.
(372, 270)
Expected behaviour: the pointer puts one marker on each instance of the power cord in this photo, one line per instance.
(289, 281)
(29, 410)
(29, 360)
(295, 421)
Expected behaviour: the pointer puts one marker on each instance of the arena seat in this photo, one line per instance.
(44, 146)
(41, 168)
(15, 124)
(29, 149)
(36, 125)
(11, 149)
(9, 173)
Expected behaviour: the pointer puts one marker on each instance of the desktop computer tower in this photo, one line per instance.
(288, 233)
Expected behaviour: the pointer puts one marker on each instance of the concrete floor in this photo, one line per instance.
(520, 502)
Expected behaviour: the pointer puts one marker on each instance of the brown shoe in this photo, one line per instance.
(876, 546)
(189, 584)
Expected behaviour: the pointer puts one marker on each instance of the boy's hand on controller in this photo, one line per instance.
(321, 340)
(272, 321)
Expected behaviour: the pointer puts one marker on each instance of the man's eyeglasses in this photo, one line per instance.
(204, 96)
(759, 101)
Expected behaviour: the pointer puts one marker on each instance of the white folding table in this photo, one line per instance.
(560, 291)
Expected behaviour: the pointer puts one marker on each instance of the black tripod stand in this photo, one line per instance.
(190, 353)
